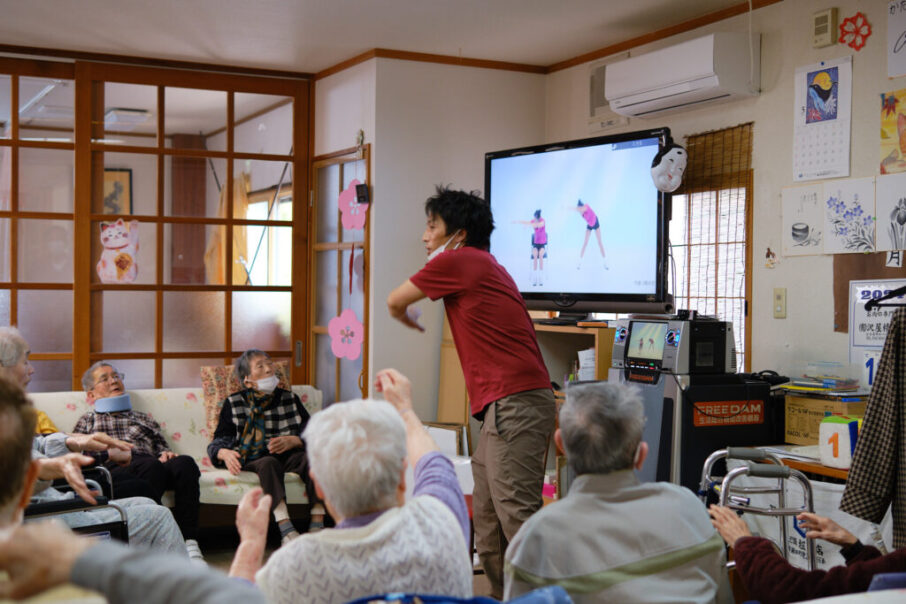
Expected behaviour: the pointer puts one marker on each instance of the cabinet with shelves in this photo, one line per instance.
(559, 344)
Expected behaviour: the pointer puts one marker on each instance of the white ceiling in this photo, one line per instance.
(312, 35)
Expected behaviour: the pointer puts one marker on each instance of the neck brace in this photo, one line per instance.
(112, 404)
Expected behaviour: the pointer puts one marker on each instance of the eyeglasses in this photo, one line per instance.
(106, 378)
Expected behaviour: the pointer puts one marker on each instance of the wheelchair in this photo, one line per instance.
(100, 480)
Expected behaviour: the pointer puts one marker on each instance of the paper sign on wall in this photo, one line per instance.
(890, 200)
(868, 328)
(803, 220)
(896, 38)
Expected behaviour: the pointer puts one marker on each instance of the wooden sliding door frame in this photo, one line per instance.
(89, 79)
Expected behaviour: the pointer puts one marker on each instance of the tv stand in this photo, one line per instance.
(564, 318)
(560, 346)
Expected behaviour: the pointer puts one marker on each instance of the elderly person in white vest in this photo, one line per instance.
(612, 538)
(382, 543)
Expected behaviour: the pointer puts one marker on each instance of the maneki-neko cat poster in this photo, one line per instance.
(893, 131)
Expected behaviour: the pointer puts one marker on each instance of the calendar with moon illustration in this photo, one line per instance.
(821, 120)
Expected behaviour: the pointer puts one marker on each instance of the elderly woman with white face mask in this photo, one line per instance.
(260, 430)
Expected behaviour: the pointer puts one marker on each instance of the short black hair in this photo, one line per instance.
(462, 210)
(537, 213)
(579, 203)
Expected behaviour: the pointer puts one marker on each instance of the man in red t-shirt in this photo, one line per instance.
(508, 384)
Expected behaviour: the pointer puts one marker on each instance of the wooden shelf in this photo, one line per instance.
(816, 468)
(567, 329)
(560, 345)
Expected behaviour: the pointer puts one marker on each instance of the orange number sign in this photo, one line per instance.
(835, 441)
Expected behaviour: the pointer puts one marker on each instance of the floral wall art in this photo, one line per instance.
(891, 208)
(849, 216)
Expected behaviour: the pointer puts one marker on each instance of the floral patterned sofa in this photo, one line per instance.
(184, 418)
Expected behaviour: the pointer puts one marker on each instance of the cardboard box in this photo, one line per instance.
(804, 415)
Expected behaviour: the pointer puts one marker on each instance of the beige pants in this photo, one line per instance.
(508, 468)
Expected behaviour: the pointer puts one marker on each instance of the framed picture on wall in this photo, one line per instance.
(117, 191)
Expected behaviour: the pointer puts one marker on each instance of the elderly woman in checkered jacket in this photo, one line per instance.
(260, 430)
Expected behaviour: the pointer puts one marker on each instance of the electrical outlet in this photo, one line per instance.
(780, 303)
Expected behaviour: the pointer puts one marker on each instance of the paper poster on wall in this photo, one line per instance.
(868, 328)
(896, 38)
(821, 119)
(849, 216)
(803, 220)
(893, 132)
(890, 204)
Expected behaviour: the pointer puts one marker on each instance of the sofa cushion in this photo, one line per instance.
(220, 381)
(221, 487)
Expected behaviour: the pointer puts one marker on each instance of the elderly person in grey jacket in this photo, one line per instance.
(613, 538)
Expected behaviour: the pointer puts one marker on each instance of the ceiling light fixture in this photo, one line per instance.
(124, 119)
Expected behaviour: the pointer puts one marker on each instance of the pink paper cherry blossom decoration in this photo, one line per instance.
(353, 212)
(346, 335)
(854, 31)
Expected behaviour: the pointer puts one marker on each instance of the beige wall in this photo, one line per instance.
(807, 332)
(432, 123)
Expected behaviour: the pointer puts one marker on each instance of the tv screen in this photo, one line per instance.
(580, 225)
(646, 341)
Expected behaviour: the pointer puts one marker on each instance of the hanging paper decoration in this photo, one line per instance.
(346, 335)
(354, 213)
(120, 241)
(854, 31)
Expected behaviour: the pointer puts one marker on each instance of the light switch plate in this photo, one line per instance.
(780, 303)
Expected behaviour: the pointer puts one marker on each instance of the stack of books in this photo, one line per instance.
(818, 383)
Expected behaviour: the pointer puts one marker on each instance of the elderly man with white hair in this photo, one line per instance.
(382, 543)
(613, 538)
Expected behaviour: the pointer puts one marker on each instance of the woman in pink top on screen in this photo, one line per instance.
(593, 225)
(539, 246)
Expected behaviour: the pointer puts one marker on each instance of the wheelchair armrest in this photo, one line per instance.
(99, 474)
(61, 505)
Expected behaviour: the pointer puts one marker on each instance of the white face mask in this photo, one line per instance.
(267, 385)
(442, 248)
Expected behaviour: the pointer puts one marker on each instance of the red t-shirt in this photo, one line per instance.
(493, 332)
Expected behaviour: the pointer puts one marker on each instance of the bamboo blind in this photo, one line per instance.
(714, 204)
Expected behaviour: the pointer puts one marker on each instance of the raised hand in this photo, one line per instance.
(68, 466)
(819, 527)
(396, 387)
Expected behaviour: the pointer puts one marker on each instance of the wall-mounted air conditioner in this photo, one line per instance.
(715, 68)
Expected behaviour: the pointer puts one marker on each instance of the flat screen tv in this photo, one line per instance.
(557, 207)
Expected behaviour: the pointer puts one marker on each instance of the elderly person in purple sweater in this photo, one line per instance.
(382, 542)
(769, 578)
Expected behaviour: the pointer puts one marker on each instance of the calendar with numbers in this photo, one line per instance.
(868, 328)
(821, 120)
